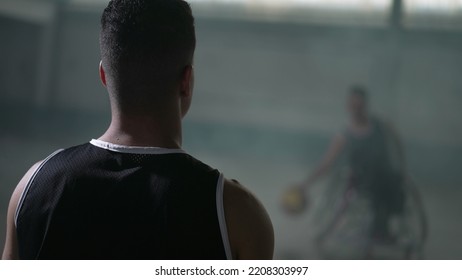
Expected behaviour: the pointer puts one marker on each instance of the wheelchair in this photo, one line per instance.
(344, 217)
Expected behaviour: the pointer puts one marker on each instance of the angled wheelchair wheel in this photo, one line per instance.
(346, 218)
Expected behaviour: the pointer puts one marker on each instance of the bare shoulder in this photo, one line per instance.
(10, 250)
(249, 226)
(23, 183)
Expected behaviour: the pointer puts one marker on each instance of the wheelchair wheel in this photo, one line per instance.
(412, 225)
(345, 218)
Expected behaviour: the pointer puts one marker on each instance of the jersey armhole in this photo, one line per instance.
(29, 183)
(221, 217)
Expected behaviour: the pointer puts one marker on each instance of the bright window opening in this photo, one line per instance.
(337, 12)
(362, 5)
(447, 7)
(441, 14)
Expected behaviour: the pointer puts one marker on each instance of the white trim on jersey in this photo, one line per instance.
(145, 150)
(157, 151)
(29, 183)
(221, 217)
(134, 149)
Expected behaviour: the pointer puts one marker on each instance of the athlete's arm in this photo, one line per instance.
(334, 150)
(249, 226)
(10, 251)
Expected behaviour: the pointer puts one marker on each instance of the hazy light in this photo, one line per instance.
(433, 6)
(325, 12)
(322, 4)
(422, 13)
(411, 6)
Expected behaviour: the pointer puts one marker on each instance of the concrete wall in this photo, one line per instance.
(277, 74)
(268, 98)
(283, 76)
(18, 60)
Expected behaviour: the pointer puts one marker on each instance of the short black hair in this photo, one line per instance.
(146, 43)
(358, 90)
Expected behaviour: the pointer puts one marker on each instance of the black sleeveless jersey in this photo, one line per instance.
(105, 201)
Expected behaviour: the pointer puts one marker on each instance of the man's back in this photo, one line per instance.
(104, 201)
(119, 200)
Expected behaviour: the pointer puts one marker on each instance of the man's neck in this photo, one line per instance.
(144, 131)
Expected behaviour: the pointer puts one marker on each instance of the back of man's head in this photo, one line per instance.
(145, 46)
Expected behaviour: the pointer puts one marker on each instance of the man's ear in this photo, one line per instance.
(186, 89)
(102, 73)
(187, 81)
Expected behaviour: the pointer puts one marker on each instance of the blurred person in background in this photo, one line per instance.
(372, 153)
(134, 193)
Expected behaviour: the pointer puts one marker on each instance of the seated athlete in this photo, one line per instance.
(134, 193)
(368, 145)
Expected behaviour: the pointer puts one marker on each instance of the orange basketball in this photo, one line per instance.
(293, 200)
